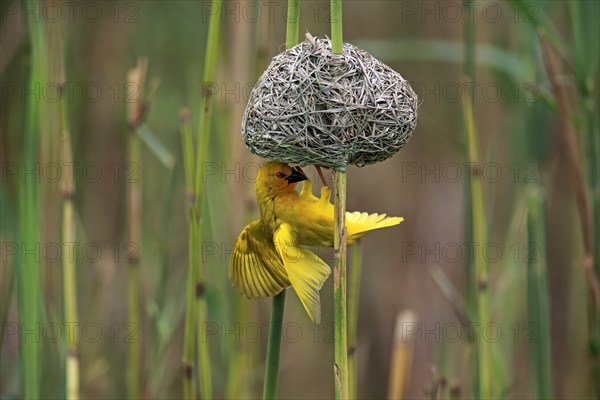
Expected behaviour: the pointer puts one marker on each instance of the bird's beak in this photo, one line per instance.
(296, 176)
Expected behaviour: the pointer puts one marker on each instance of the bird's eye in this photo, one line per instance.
(280, 175)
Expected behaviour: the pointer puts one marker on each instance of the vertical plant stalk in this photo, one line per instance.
(402, 354)
(293, 22)
(537, 299)
(586, 75)
(68, 238)
(484, 364)
(28, 273)
(593, 314)
(274, 347)
(336, 26)
(248, 55)
(7, 281)
(470, 274)
(469, 40)
(353, 297)
(136, 110)
(477, 292)
(133, 273)
(340, 366)
(339, 288)
(278, 304)
(569, 141)
(469, 71)
(189, 390)
(196, 319)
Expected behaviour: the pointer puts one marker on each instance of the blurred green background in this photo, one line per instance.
(421, 265)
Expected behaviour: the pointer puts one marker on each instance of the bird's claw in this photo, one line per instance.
(325, 195)
(306, 190)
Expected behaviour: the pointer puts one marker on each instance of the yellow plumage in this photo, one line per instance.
(269, 256)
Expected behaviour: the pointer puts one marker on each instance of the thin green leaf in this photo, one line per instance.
(447, 51)
(586, 42)
(532, 13)
(155, 145)
(537, 298)
(450, 292)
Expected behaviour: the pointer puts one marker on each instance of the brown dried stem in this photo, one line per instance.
(321, 176)
(568, 139)
(135, 116)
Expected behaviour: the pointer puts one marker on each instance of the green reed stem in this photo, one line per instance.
(585, 206)
(336, 26)
(469, 71)
(196, 311)
(537, 298)
(484, 364)
(293, 21)
(189, 390)
(593, 315)
(470, 286)
(134, 198)
(593, 266)
(206, 104)
(69, 265)
(339, 288)
(7, 281)
(586, 61)
(469, 40)
(28, 272)
(339, 244)
(278, 304)
(187, 140)
(477, 295)
(274, 347)
(353, 297)
(135, 119)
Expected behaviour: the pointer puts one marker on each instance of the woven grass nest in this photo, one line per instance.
(313, 107)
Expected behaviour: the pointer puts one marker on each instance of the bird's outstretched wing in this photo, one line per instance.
(306, 271)
(256, 268)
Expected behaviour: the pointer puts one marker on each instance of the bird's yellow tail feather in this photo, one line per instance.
(359, 223)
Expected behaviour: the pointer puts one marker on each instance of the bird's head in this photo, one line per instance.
(277, 178)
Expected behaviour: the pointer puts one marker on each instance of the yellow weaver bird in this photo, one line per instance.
(268, 255)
